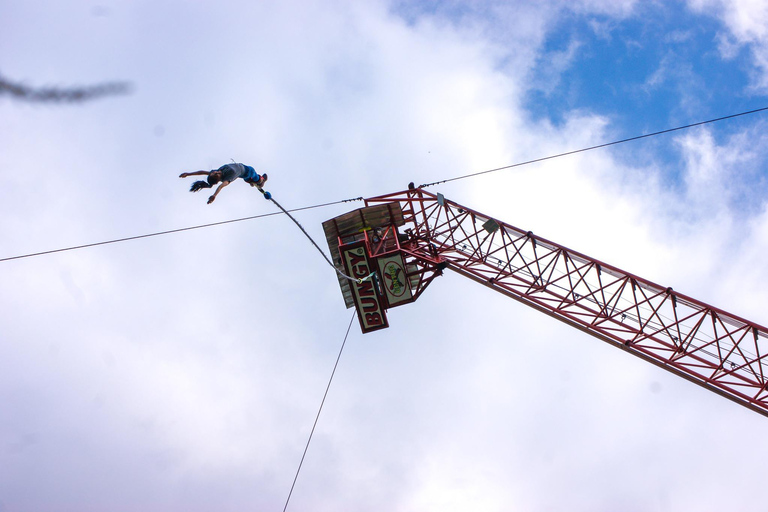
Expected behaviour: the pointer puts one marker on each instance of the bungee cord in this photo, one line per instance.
(268, 196)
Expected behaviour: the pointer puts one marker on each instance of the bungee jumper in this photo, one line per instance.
(225, 175)
(228, 173)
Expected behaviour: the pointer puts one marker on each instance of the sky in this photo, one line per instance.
(183, 372)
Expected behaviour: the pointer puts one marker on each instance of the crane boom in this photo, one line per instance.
(703, 344)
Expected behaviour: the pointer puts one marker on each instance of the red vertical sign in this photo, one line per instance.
(367, 303)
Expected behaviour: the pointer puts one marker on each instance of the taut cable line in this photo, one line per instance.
(171, 231)
(317, 417)
(638, 137)
(519, 164)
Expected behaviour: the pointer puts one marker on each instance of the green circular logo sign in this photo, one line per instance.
(394, 278)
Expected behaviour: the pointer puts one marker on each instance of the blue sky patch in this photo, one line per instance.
(658, 69)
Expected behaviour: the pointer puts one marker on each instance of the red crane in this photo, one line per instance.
(406, 239)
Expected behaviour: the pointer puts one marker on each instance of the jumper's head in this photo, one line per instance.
(214, 177)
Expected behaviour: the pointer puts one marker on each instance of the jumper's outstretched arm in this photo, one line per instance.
(196, 173)
(213, 197)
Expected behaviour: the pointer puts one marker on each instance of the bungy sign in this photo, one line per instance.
(393, 280)
(369, 308)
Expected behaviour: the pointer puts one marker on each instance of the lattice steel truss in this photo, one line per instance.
(706, 345)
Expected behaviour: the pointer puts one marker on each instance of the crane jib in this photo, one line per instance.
(407, 238)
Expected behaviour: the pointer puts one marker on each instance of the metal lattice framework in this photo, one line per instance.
(706, 345)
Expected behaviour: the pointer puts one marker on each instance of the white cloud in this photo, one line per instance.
(183, 372)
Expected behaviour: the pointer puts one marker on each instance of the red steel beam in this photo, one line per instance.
(717, 350)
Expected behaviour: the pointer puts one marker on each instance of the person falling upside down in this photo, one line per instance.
(225, 175)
